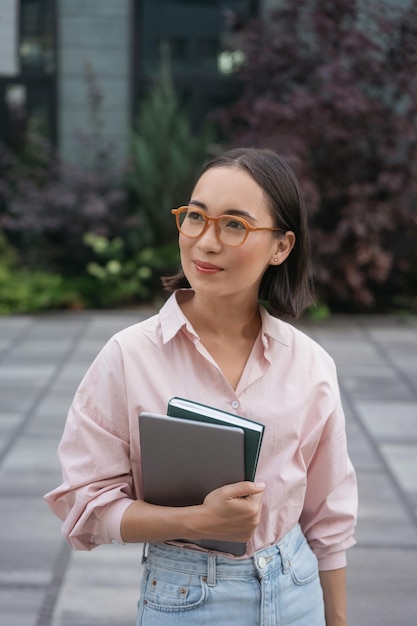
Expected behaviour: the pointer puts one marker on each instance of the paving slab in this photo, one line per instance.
(382, 587)
(44, 583)
(112, 575)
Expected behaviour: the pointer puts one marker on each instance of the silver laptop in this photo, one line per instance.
(183, 460)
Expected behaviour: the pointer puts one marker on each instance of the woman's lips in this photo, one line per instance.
(207, 268)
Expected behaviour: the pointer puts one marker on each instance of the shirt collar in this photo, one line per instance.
(274, 328)
(173, 320)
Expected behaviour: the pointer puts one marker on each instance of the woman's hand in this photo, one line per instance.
(231, 513)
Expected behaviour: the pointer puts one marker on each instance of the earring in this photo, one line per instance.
(275, 259)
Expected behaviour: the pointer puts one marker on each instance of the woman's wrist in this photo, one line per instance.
(143, 522)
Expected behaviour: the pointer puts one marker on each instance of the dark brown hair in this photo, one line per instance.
(285, 288)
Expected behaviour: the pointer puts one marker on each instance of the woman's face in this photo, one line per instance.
(216, 270)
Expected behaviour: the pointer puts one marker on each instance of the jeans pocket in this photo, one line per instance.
(171, 591)
(303, 565)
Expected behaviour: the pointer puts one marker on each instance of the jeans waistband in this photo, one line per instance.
(213, 564)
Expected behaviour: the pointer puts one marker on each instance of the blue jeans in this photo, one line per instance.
(278, 586)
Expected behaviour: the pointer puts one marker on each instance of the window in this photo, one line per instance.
(28, 98)
(37, 37)
(201, 37)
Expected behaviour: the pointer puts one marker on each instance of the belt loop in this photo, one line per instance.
(211, 569)
(284, 559)
(145, 552)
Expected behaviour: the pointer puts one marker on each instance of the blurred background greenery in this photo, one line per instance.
(330, 84)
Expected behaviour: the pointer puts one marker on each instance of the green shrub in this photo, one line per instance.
(119, 278)
(23, 291)
(166, 156)
(28, 291)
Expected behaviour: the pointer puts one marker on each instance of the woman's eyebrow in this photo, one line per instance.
(197, 203)
(237, 212)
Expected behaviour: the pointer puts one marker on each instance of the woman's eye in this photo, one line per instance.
(195, 216)
(235, 225)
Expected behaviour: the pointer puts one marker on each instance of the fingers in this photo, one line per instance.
(242, 490)
(234, 511)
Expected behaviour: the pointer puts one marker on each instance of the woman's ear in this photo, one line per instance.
(283, 247)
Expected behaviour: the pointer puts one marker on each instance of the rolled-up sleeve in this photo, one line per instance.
(331, 501)
(95, 457)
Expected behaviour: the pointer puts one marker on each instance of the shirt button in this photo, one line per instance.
(262, 562)
(235, 404)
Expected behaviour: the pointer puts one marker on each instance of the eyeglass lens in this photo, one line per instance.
(232, 231)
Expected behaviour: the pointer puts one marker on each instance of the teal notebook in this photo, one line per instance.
(188, 409)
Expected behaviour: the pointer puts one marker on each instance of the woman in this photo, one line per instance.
(243, 239)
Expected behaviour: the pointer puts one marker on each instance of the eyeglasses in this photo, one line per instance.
(230, 229)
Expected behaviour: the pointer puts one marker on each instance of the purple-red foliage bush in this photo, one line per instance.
(46, 207)
(334, 88)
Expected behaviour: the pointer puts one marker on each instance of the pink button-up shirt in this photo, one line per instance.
(289, 383)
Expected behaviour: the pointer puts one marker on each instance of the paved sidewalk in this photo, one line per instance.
(43, 583)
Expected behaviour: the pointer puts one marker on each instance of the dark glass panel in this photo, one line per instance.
(37, 36)
(200, 33)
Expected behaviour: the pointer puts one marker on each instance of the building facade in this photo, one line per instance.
(72, 68)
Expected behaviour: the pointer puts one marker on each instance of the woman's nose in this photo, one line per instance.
(210, 239)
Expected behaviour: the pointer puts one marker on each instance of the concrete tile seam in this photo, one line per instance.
(44, 390)
(45, 615)
(408, 505)
(375, 545)
(384, 352)
(15, 341)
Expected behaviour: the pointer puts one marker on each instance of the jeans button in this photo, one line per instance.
(262, 562)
